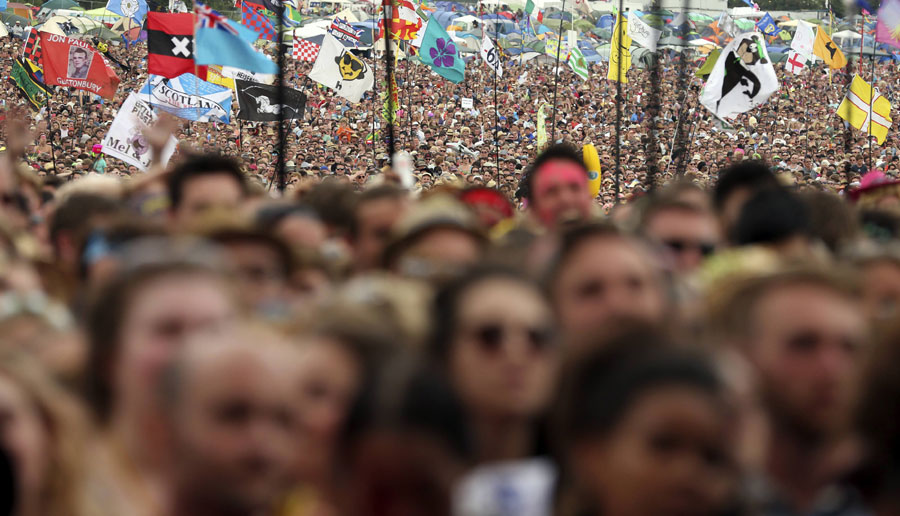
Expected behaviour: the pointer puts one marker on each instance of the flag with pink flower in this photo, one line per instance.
(440, 53)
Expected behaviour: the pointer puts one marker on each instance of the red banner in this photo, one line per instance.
(75, 64)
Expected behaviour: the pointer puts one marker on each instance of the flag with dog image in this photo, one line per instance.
(341, 70)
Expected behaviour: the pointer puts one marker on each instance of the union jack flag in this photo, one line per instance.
(210, 19)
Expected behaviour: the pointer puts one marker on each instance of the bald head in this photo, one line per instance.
(231, 422)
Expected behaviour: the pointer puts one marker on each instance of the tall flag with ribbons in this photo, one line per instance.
(341, 70)
(305, 50)
(642, 33)
(804, 39)
(578, 64)
(253, 19)
(828, 50)
(742, 78)
(866, 109)
(887, 27)
(170, 45)
(619, 62)
(188, 97)
(32, 90)
(344, 32)
(491, 56)
(767, 26)
(439, 52)
(75, 64)
(218, 40)
(259, 102)
(405, 21)
(133, 9)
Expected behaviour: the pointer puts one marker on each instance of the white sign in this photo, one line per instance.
(466, 103)
(126, 142)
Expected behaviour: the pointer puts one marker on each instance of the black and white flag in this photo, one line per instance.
(491, 56)
(259, 102)
(742, 78)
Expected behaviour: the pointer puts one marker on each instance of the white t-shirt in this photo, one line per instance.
(518, 488)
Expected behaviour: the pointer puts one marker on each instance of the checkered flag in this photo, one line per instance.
(305, 50)
(251, 18)
(32, 48)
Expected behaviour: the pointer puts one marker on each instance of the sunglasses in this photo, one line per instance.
(680, 246)
(491, 337)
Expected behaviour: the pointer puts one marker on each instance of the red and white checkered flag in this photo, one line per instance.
(305, 50)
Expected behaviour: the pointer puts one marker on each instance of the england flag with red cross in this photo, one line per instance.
(795, 63)
(252, 18)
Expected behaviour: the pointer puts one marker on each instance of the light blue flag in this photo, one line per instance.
(188, 97)
(220, 41)
(767, 25)
(134, 9)
(439, 52)
(2, 5)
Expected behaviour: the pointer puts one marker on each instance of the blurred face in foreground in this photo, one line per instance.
(603, 279)
(219, 191)
(807, 348)
(233, 429)
(560, 193)
(160, 317)
(688, 236)
(503, 360)
(24, 436)
(667, 456)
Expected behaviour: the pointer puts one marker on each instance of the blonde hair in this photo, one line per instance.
(63, 490)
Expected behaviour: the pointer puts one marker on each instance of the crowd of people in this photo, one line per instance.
(491, 340)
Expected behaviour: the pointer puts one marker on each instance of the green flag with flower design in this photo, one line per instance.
(439, 52)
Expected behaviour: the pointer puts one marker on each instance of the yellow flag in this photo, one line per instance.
(620, 39)
(214, 75)
(857, 105)
(826, 48)
(592, 162)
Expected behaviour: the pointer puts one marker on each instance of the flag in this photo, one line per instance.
(887, 27)
(742, 78)
(541, 127)
(752, 4)
(551, 46)
(540, 17)
(2, 5)
(223, 42)
(804, 38)
(825, 48)
(391, 100)
(214, 75)
(133, 9)
(491, 56)
(305, 50)
(726, 24)
(75, 64)
(571, 39)
(642, 33)
(864, 7)
(252, 19)
(709, 64)
(620, 39)
(529, 7)
(344, 32)
(246, 75)
(259, 102)
(767, 26)
(125, 140)
(31, 50)
(578, 64)
(795, 63)
(170, 45)
(405, 21)
(341, 70)
(856, 106)
(31, 89)
(186, 96)
(439, 52)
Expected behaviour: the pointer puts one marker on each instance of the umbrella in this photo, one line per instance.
(59, 4)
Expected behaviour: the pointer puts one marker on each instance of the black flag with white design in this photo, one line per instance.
(259, 102)
(170, 45)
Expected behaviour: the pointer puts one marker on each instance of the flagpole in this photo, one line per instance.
(374, 85)
(862, 39)
(282, 137)
(389, 73)
(496, 106)
(618, 29)
(655, 106)
(871, 101)
(556, 79)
